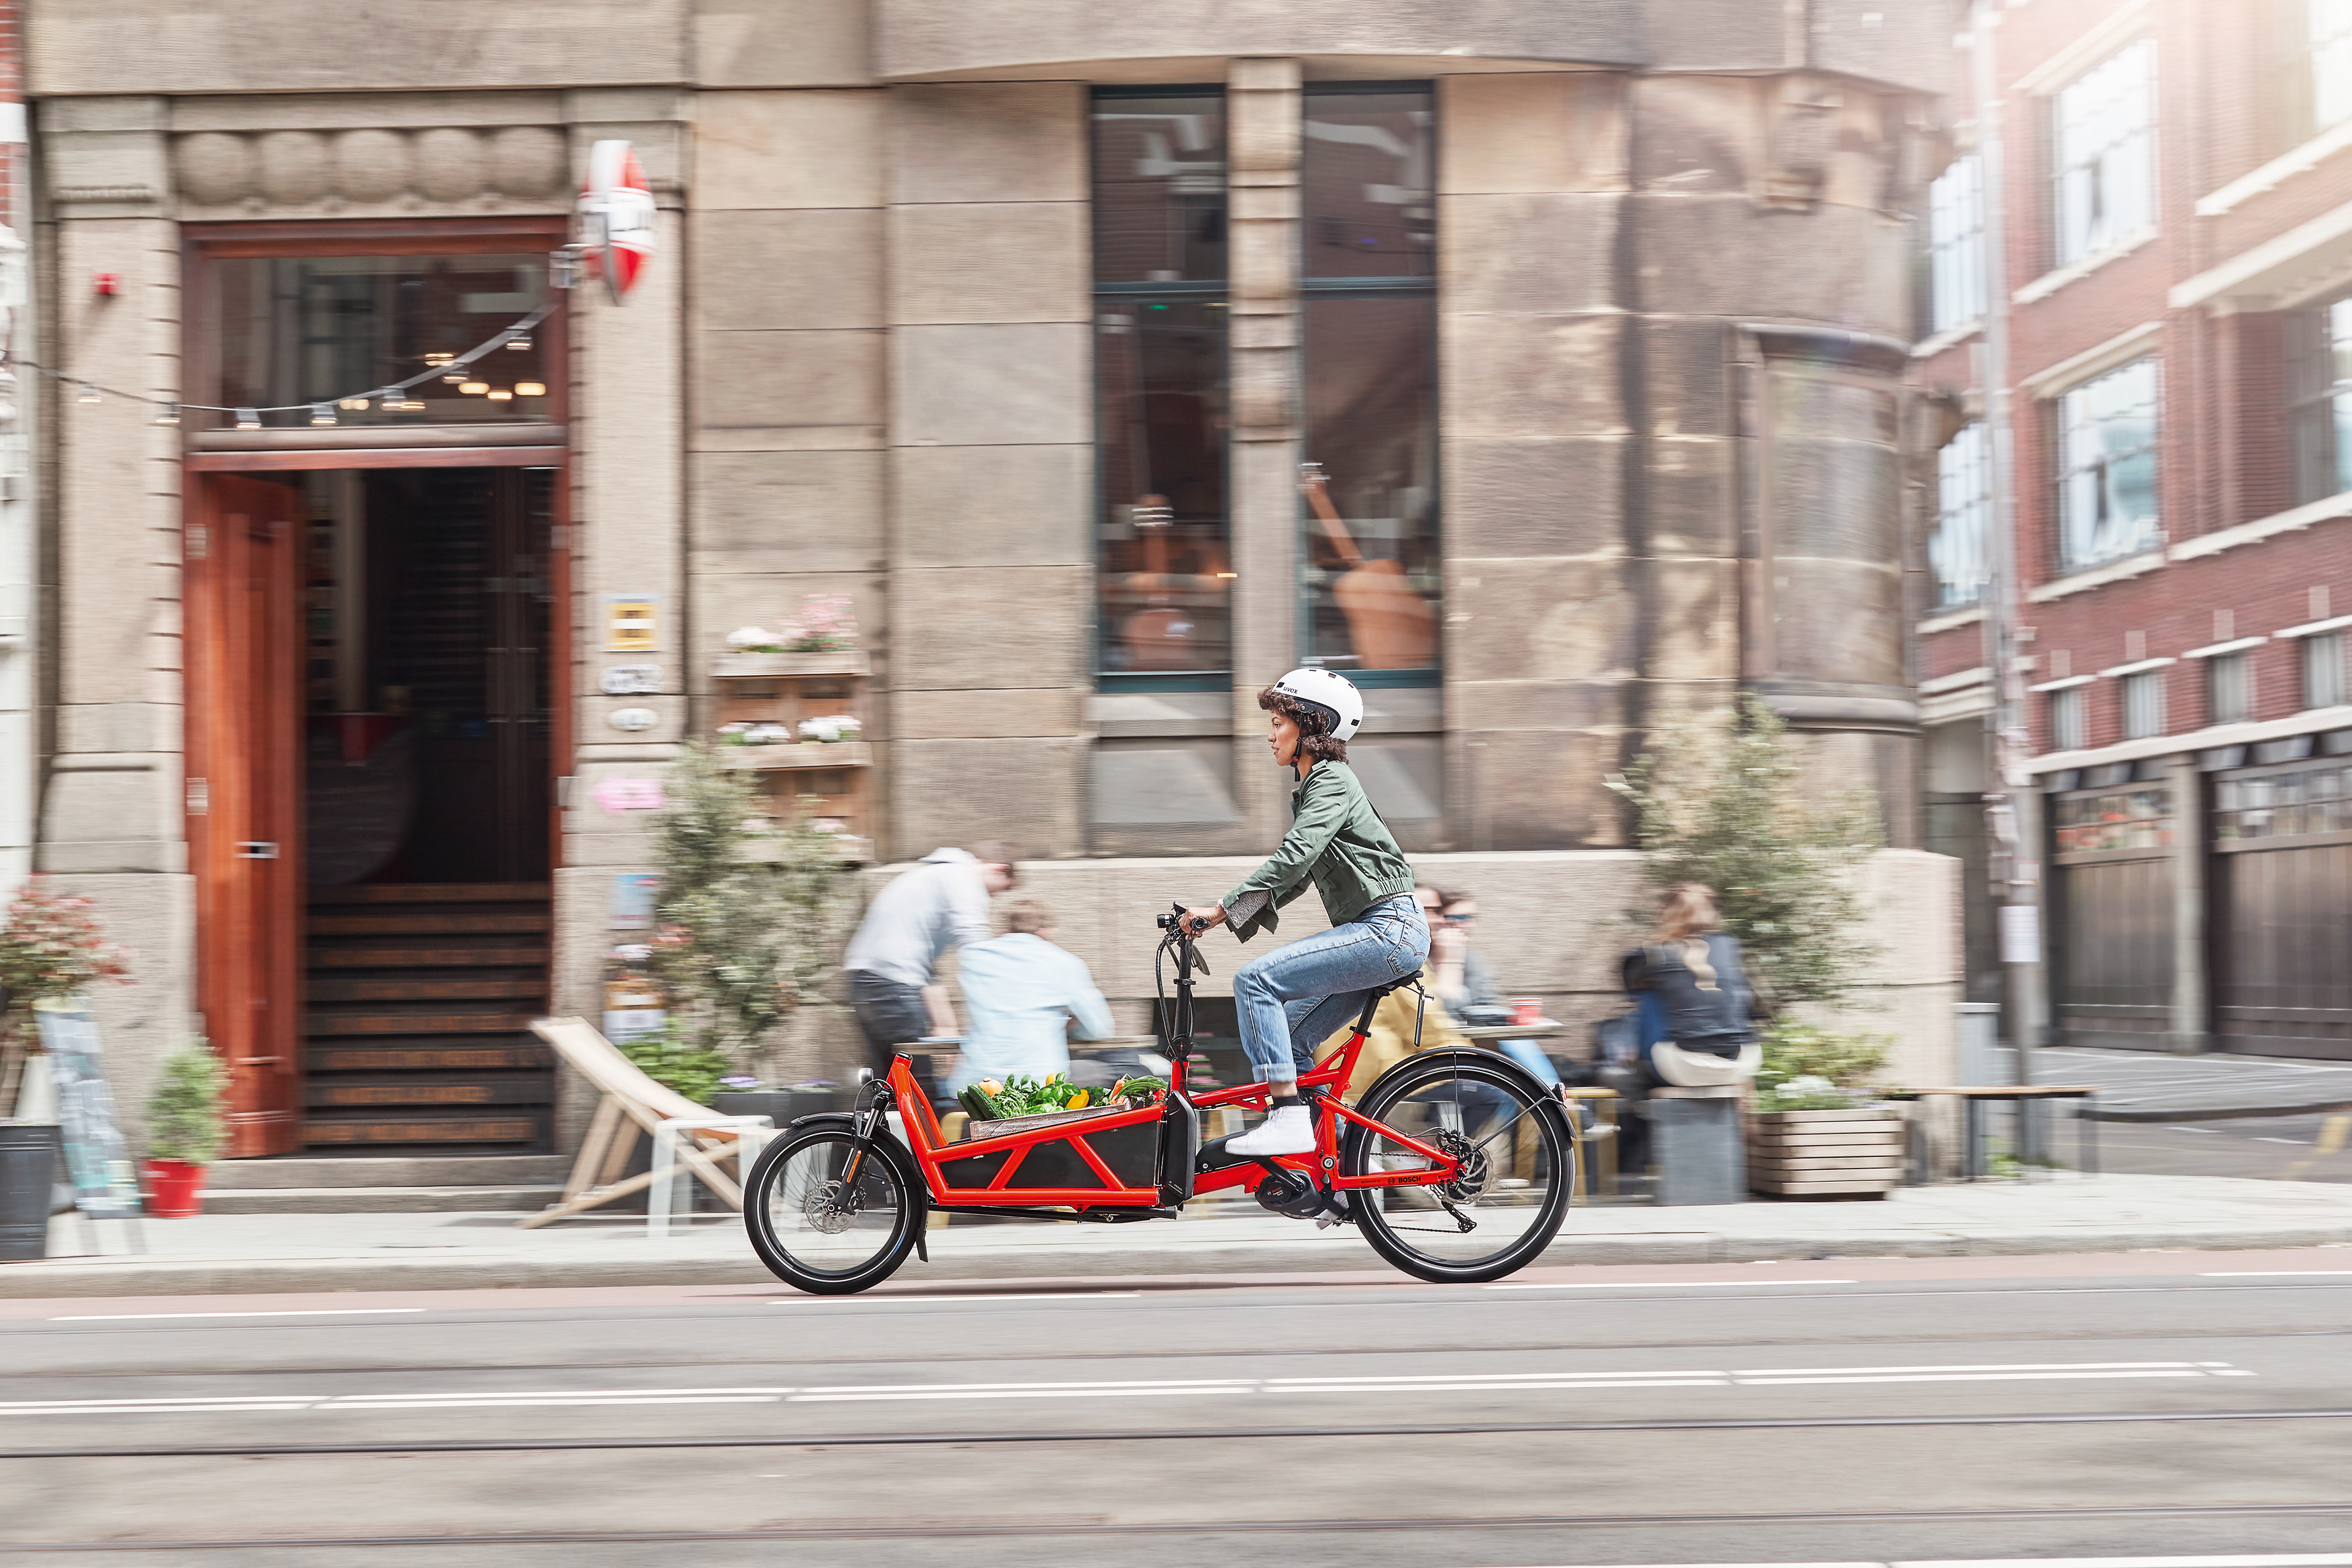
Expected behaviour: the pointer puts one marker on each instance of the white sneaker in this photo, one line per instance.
(1288, 1131)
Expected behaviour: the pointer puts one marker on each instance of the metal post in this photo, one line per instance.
(2012, 807)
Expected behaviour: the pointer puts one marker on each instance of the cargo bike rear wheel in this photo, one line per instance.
(1518, 1175)
(815, 1228)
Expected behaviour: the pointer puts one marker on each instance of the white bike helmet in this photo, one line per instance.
(1335, 694)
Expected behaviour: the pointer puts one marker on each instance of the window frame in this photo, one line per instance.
(1974, 511)
(2067, 468)
(1202, 291)
(2095, 244)
(2129, 689)
(2328, 646)
(2314, 394)
(2068, 730)
(1960, 252)
(2230, 696)
(1311, 288)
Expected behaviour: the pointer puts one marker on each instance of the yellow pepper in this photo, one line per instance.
(1078, 1101)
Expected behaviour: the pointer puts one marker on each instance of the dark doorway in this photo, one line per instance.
(427, 717)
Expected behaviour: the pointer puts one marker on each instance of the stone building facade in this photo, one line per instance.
(1012, 326)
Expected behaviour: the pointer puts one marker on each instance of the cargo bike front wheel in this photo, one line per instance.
(826, 1221)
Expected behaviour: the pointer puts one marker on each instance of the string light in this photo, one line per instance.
(393, 398)
(501, 395)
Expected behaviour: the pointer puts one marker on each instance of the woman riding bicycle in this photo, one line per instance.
(1293, 998)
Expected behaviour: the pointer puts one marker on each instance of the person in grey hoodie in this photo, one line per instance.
(940, 902)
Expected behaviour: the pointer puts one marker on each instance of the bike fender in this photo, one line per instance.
(1547, 1098)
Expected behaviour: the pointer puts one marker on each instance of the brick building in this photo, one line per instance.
(2179, 253)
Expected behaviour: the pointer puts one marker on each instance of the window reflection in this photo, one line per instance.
(2117, 819)
(1371, 566)
(1366, 184)
(2307, 800)
(306, 330)
(1165, 572)
(1159, 189)
(1159, 366)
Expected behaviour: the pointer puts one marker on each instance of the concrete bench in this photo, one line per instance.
(1697, 1143)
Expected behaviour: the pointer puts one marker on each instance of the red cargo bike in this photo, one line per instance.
(1456, 1165)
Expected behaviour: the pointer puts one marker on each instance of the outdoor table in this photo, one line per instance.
(2026, 1096)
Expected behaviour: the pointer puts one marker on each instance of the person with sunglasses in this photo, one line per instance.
(1465, 982)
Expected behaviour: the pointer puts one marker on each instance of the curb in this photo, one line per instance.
(2217, 1112)
(141, 1277)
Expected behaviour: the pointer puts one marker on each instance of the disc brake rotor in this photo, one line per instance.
(829, 1208)
(1477, 1173)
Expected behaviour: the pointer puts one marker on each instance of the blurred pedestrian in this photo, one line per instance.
(1024, 996)
(1460, 974)
(892, 962)
(1690, 986)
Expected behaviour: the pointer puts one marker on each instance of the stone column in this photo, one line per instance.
(1262, 121)
(2188, 1035)
(992, 568)
(114, 824)
(1544, 615)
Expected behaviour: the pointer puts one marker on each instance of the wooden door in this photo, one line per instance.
(244, 729)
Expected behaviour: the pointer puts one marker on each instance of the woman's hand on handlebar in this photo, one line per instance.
(1200, 919)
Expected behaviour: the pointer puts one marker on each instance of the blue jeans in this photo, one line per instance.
(1294, 999)
(1531, 1055)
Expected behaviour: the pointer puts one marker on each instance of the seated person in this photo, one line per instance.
(1463, 977)
(1024, 996)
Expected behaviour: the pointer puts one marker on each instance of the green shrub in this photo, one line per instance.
(184, 1115)
(678, 1064)
(1807, 1068)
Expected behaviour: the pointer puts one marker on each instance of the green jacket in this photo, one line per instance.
(1336, 841)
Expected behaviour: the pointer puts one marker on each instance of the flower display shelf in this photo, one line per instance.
(1826, 1153)
(831, 779)
(800, 753)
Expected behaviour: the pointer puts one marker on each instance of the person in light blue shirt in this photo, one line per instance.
(1022, 995)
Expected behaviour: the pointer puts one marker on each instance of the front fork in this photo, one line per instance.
(869, 1116)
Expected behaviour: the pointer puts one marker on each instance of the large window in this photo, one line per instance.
(1959, 551)
(328, 331)
(1370, 572)
(2319, 387)
(1162, 518)
(1955, 244)
(2104, 152)
(2106, 450)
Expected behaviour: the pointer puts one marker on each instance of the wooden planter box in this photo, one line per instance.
(1829, 1154)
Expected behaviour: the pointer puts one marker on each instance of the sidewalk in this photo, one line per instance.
(299, 1252)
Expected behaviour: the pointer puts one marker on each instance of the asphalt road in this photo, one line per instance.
(1849, 1411)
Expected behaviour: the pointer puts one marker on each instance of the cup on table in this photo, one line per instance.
(1526, 1010)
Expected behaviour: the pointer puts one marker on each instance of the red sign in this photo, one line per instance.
(616, 216)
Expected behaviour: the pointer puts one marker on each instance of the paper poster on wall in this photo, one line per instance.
(633, 899)
(105, 1181)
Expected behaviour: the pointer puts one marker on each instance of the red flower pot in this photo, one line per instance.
(175, 1189)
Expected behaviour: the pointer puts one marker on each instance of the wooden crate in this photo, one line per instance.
(1798, 1153)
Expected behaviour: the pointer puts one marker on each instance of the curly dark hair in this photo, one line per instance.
(1314, 722)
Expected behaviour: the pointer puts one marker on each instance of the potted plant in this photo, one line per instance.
(50, 946)
(1817, 1129)
(184, 1131)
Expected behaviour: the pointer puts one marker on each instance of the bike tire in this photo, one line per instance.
(1394, 1243)
(794, 1158)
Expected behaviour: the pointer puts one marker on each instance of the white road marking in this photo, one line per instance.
(2297, 1141)
(307, 1312)
(2274, 1273)
(1028, 1296)
(1671, 1284)
(833, 1394)
(2305, 1560)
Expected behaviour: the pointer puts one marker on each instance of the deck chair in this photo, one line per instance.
(632, 1104)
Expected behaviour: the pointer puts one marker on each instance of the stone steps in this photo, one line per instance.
(516, 1200)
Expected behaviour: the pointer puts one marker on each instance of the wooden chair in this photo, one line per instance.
(632, 1104)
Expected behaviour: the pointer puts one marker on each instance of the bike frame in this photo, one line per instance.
(982, 1174)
